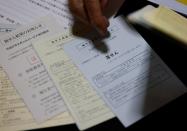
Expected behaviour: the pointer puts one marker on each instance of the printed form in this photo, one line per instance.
(26, 71)
(85, 105)
(14, 115)
(26, 11)
(130, 77)
(4, 28)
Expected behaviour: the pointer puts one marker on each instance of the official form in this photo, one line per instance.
(128, 75)
(26, 71)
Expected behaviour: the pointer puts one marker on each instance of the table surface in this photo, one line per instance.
(172, 115)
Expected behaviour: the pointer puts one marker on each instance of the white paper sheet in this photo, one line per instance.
(177, 5)
(85, 105)
(27, 72)
(130, 77)
(26, 11)
(14, 114)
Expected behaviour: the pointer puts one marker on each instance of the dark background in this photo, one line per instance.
(173, 115)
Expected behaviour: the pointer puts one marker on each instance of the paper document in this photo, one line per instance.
(14, 114)
(85, 105)
(177, 5)
(130, 77)
(27, 72)
(26, 11)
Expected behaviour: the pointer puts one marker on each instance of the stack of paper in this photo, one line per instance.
(40, 90)
(49, 77)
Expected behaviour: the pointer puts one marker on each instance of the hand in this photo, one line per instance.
(91, 12)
